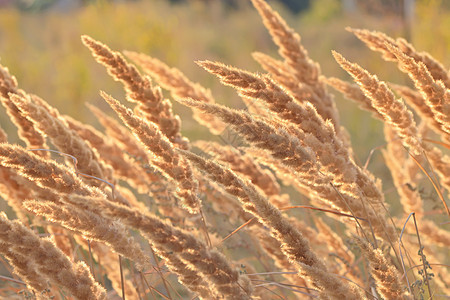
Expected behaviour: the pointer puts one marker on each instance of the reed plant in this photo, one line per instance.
(139, 211)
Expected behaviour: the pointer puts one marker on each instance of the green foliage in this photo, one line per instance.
(323, 10)
(434, 17)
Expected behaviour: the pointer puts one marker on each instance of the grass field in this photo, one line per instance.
(224, 160)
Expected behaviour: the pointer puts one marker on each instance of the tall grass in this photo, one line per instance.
(139, 211)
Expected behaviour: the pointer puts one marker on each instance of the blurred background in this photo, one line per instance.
(40, 44)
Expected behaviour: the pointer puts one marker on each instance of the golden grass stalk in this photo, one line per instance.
(61, 239)
(435, 93)
(309, 127)
(24, 268)
(112, 155)
(14, 189)
(403, 175)
(293, 244)
(110, 264)
(280, 72)
(168, 160)
(242, 164)
(49, 261)
(378, 41)
(26, 131)
(301, 92)
(288, 42)
(418, 103)
(90, 137)
(119, 134)
(224, 202)
(441, 166)
(354, 93)
(62, 137)
(301, 161)
(249, 86)
(134, 151)
(261, 87)
(384, 273)
(284, 173)
(334, 242)
(409, 197)
(45, 173)
(44, 104)
(60, 179)
(164, 237)
(93, 226)
(296, 59)
(179, 86)
(128, 197)
(394, 111)
(273, 249)
(139, 90)
(441, 275)
(245, 165)
(190, 278)
(437, 70)
(263, 135)
(49, 122)
(331, 246)
(8, 83)
(107, 151)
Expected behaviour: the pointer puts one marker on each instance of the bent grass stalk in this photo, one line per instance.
(261, 239)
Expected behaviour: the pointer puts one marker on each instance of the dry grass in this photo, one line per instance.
(215, 222)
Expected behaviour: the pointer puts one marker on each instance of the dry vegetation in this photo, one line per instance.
(139, 209)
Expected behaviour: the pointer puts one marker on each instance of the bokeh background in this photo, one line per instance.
(40, 44)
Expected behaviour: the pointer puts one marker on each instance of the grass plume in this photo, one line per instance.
(275, 205)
